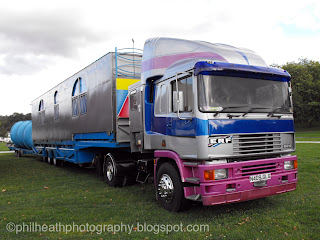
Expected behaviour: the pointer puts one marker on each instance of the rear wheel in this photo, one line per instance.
(50, 158)
(45, 159)
(57, 162)
(110, 173)
(169, 188)
(17, 153)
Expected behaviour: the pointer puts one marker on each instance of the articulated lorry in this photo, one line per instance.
(209, 122)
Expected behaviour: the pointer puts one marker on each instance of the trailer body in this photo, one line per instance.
(210, 122)
(87, 111)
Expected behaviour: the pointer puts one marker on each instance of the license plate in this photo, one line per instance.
(260, 177)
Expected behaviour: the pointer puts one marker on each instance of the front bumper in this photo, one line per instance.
(247, 195)
(238, 186)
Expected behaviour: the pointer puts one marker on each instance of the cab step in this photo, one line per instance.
(195, 197)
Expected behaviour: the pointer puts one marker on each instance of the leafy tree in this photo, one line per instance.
(306, 90)
(6, 122)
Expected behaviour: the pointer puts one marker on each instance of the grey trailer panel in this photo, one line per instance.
(101, 112)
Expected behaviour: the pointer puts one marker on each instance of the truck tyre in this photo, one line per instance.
(50, 158)
(170, 192)
(110, 174)
(99, 165)
(17, 153)
(57, 162)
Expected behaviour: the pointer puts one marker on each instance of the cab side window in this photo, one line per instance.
(185, 95)
(161, 100)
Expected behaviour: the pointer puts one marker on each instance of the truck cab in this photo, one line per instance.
(218, 120)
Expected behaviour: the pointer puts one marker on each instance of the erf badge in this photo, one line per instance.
(213, 142)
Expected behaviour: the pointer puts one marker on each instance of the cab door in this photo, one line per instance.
(136, 119)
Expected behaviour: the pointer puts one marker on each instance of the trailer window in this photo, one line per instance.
(41, 112)
(55, 98)
(56, 106)
(184, 86)
(79, 98)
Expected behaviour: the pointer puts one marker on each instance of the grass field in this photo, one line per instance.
(3, 146)
(308, 134)
(33, 191)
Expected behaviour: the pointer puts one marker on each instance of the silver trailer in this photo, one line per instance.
(89, 102)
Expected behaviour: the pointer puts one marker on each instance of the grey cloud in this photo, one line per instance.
(40, 35)
(23, 64)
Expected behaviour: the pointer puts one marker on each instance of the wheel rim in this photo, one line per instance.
(166, 188)
(110, 171)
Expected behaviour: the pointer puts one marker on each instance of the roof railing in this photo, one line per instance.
(130, 59)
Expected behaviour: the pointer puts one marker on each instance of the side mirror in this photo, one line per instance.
(178, 101)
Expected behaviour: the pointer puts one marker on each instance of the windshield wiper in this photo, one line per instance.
(251, 109)
(275, 110)
(225, 108)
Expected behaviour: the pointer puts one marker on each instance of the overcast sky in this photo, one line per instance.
(44, 42)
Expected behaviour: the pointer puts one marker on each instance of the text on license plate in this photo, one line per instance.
(260, 177)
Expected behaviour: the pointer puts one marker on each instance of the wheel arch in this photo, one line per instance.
(163, 156)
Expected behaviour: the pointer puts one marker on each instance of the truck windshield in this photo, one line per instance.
(235, 94)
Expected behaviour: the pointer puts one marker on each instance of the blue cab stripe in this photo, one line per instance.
(249, 126)
(198, 127)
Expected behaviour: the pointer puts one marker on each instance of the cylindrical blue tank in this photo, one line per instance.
(21, 134)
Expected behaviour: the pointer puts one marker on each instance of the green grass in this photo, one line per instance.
(308, 139)
(3, 146)
(308, 134)
(74, 194)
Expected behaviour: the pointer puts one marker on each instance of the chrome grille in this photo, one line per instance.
(258, 169)
(246, 144)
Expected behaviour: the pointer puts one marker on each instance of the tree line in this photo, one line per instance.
(305, 80)
(6, 122)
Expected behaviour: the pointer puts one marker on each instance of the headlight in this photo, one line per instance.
(215, 174)
(289, 165)
(220, 173)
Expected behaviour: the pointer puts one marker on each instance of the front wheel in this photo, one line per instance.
(169, 188)
(110, 173)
